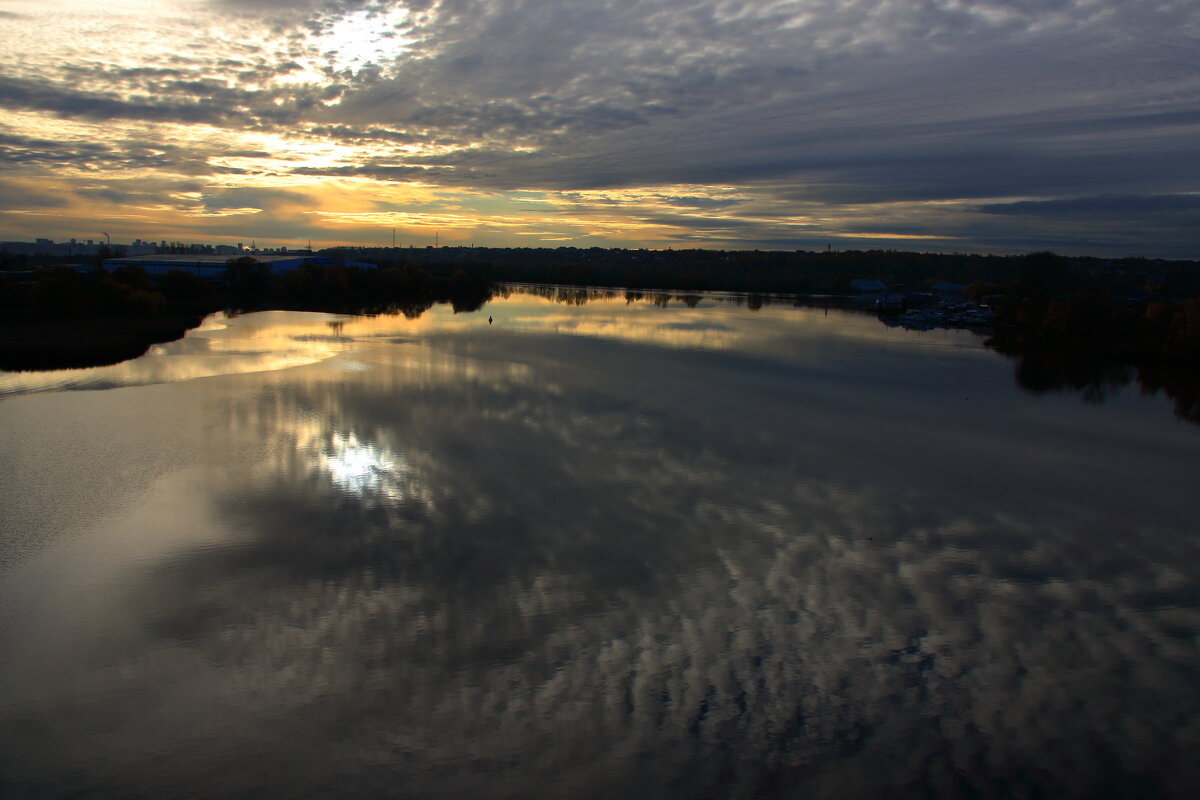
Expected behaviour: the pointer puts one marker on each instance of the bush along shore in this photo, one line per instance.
(61, 317)
(1071, 328)
(1132, 311)
(28, 342)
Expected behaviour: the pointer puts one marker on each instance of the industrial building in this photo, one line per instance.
(213, 267)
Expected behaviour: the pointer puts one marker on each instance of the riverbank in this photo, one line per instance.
(31, 341)
(61, 318)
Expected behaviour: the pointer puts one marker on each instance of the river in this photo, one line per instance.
(592, 549)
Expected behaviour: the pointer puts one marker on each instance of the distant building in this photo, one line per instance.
(213, 267)
(862, 286)
(947, 287)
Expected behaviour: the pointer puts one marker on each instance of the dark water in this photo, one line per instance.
(606, 550)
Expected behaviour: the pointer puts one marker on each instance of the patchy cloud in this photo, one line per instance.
(833, 106)
(1101, 206)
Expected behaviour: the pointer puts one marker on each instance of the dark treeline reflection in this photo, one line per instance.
(538, 566)
(1038, 370)
(1097, 379)
(577, 296)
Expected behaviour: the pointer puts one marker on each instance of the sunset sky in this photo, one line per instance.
(950, 125)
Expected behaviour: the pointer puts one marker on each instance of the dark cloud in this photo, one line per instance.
(250, 197)
(1099, 206)
(1028, 105)
(835, 103)
(25, 149)
(24, 197)
(26, 94)
(351, 134)
(380, 172)
(99, 156)
(701, 202)
(111, 195)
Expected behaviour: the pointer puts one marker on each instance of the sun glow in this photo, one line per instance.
(340, 47)
(361, 468)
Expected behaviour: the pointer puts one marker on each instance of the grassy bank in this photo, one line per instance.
(1131, 311)
(32, 341)
(61, 317)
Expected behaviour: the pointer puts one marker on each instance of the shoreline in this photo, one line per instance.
(35, 343)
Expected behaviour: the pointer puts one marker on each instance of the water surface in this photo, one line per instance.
(600, 550)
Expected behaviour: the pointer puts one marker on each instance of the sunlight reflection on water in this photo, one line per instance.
(579, 558)
(363, 469)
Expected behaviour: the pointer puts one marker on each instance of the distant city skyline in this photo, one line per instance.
(250, 243)
(983, 126)
(80, 246)
(139, 247)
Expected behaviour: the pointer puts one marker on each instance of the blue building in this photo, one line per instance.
(213, 267)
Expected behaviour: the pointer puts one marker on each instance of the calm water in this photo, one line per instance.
(608, 550)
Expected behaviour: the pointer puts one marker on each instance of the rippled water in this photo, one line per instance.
(607, 550)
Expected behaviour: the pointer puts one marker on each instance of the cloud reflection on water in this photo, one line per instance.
(587, 567)
(276, 340)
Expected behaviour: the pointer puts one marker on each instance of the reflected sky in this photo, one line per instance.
(568, 555)
(273, 340)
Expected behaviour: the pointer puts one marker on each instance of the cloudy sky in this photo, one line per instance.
(950, 125)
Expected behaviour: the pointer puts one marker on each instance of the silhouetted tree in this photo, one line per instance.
(181, 285)
(60, 292)
(247, 274)
(132, 275)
